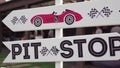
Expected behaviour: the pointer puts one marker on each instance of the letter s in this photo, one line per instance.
(62, 46)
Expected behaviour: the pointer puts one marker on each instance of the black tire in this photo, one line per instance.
(69, 19)
(37, 21)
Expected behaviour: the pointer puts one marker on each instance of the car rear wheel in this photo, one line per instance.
(69, 19)
(37, 21)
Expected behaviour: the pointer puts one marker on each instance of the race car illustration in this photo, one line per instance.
(68, 16)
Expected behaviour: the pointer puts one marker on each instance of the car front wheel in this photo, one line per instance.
(69, 19)
(37, 21)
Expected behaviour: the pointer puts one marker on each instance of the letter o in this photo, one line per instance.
(104, 47)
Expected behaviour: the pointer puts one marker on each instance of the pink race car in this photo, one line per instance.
(68, 16)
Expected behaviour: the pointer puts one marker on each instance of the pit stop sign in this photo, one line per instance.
(78, 48)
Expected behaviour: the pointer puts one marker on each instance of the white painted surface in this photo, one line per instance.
(56, 42)
(83, 8)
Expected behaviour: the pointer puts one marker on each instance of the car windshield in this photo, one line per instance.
(54, 12)
(68, 10)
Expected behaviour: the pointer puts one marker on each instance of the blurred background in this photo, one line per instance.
(6, 6)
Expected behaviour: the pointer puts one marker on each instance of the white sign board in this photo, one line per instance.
(78, 48)
(82, 14)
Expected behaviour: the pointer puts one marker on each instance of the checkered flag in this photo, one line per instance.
(44, 51)
(14, 20)
(23, 19)
(93, 13)
(106, 11)
(54, 50)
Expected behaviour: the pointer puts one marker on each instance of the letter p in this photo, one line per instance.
(16, 50)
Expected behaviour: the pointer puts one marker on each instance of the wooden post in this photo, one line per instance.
(59, 33)
(0, 33)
